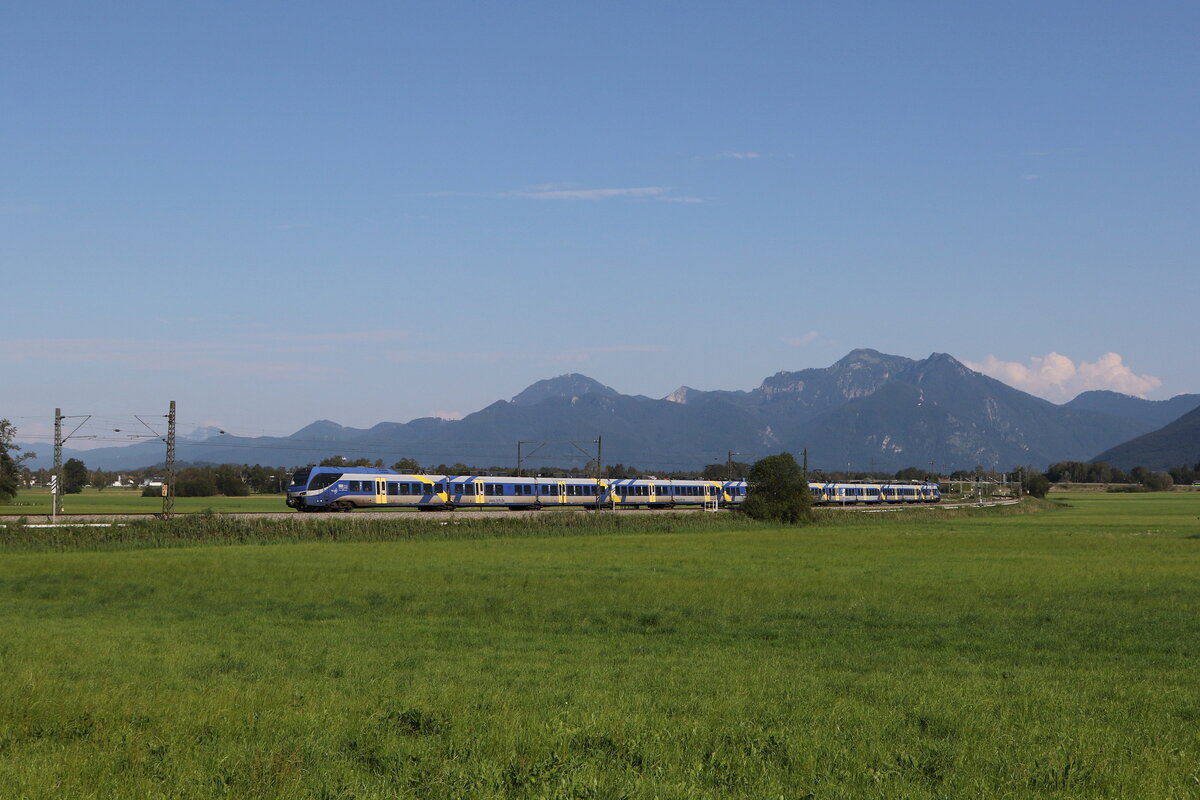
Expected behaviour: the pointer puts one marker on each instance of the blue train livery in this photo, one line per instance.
(350, 488)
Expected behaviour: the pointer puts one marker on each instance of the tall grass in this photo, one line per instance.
(209, 528)
(218, 529)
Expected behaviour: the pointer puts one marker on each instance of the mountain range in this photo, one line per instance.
(869, 411)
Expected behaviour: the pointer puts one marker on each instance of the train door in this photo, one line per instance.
(562, 492)
(380, 492)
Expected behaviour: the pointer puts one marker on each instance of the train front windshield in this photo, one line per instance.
(300, 477)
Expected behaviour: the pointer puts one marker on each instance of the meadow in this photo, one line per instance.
(983, 653)
(38, 502)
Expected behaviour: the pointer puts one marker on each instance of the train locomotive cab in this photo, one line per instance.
(339, 488)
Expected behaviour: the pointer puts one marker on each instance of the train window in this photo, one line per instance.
(324, 480)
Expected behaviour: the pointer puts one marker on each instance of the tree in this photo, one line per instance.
(195, 482)
(101, 479)
(75, 476)
(10, 464)
(1159, 482)
(724, 471)
(228, 480)
(1034, 483)
(778, 490)
(408, 466)
(342, 461)
(916, 474)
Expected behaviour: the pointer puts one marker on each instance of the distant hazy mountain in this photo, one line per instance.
(869, 411)
(1152, 412)
(1174, 445)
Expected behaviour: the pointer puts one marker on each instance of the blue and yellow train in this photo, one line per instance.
(348, 488)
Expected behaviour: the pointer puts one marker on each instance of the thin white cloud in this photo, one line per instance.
(1057, 378)
(446, 414)
(542, 193)
(739, 156)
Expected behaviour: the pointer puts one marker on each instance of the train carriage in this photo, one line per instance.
(350, 488)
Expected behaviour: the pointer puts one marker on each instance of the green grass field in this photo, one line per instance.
(38, 502)
(981, 654)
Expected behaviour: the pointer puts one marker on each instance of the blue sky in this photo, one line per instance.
(279, 212)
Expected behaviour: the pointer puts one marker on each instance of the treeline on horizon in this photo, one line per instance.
(231, 480)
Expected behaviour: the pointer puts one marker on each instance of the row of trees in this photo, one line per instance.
(1099, 472)
(711, 472)
(227, 479)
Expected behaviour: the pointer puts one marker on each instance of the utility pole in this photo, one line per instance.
(168, 489)
(56, 484)
(729, 465)
(56, 480)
